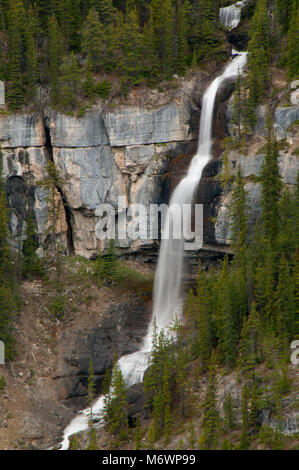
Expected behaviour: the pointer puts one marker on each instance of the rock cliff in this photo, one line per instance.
(137, 151)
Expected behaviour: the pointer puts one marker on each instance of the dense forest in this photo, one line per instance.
(62, 52)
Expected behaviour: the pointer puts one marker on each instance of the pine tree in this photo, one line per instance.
(32, 72)
(293, 40)
(7, 299)
(244, 439)
(93, 40)
(16, 93)
(203, 321)
(90, 400)
(238, 213)
(132, 50)
(271, 187)
(106, 10)
(259, 54)
(56, 51)
(228, 410)
(285, 301)
(250, 352)
(210, 423)
(116, 411)
(69, 81)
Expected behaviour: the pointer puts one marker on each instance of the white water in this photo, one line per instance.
(167, 289)
(230, 16)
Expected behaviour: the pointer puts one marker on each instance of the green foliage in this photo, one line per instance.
(57, 307)
(107, 268)
(32, 265)
(116, 405)
(211, 420)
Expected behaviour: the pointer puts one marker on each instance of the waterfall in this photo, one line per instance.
(167, 288)
(230, 16)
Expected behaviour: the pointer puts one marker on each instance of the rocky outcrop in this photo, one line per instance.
(25, 159)
(121, 152)
(120, 331)
(137, 152)
(287, 132)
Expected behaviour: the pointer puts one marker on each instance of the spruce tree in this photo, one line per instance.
(93, 40)
(293, 41)
(271, 188)
(238, 213)
(56, 52)
(210, 423)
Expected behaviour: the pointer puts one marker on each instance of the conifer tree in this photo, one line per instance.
(132, 62)
(293, 40)
(228, 409)
(93, 40)
(7, 299)
(32, 72)
(56, 51)
(271, 187)
(244, 439)
(16, 49)
(69, 81)
(203, 321)
(116, 411)
(285, 302)
(210, 423)
(238, 213)
(250, 344)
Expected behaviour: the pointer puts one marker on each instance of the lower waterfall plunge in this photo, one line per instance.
(167, 288)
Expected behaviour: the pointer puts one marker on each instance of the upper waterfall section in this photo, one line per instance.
(230, 16)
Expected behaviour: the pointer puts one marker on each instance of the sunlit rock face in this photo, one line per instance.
(101, 156)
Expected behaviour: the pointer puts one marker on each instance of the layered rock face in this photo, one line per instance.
(101, 156)
(287, 132)
(25, 159)
(136, 152)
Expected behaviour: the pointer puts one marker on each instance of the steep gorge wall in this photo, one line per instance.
(100, 156)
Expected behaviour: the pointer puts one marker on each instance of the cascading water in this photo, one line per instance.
(230, 16)
(167, 289)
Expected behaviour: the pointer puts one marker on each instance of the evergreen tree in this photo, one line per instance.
(250, 352)
(228, 409)
(93, 40)
(16, 50)
(238, 213)
(116, 411)
(69, 81)
(56, 51)
(293, 40)
(244, 440)
(203, 320)
(32, 265)
(210, 437)
(285, 301)
(271, 188)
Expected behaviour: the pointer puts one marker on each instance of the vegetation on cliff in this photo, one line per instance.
(68, 52)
